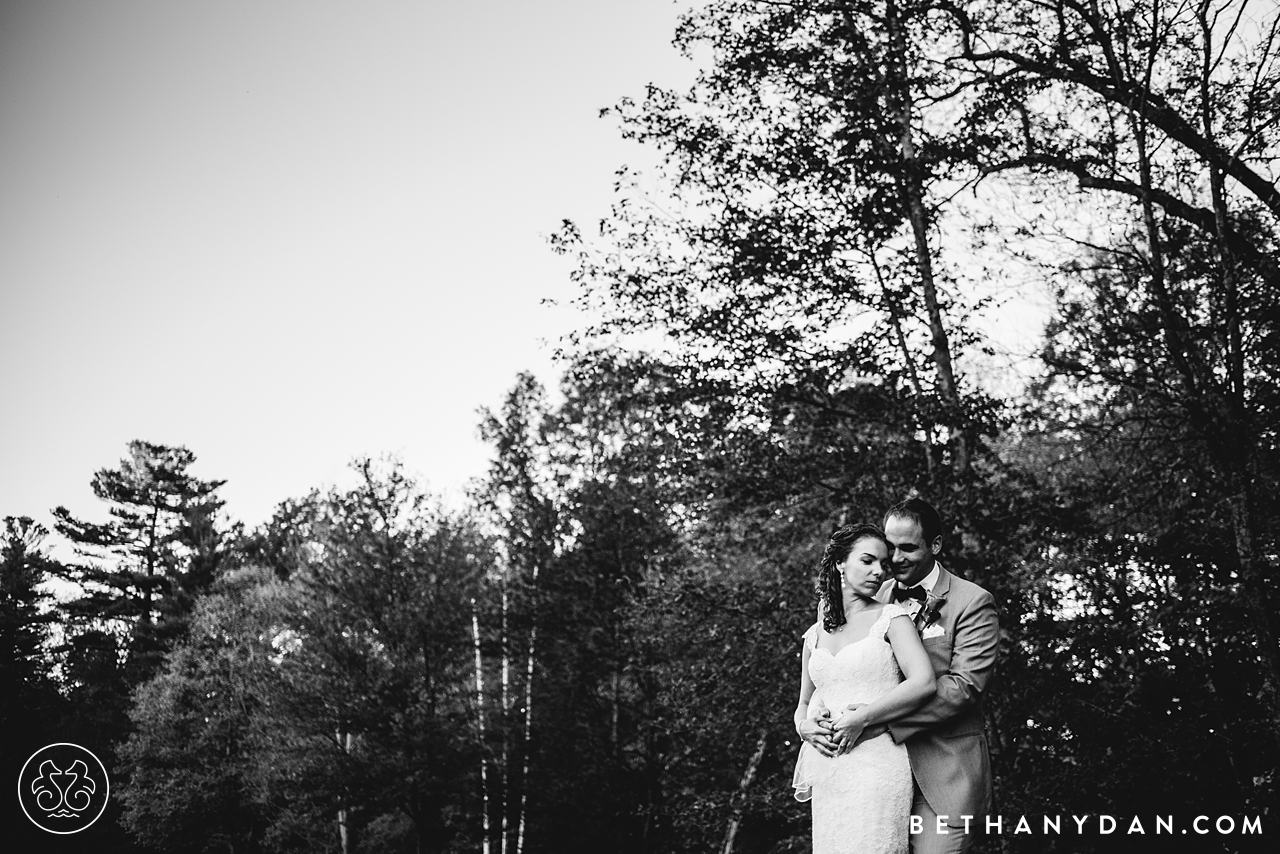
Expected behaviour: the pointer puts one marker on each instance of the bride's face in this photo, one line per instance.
(866, 567)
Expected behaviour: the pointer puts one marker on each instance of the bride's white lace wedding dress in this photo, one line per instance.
(862, 799)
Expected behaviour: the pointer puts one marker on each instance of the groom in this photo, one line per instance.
(945, 738)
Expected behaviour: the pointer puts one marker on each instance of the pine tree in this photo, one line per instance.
(27, 694)
(141, 571)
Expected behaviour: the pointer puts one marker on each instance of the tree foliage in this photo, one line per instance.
(328, 711)
(29, 700)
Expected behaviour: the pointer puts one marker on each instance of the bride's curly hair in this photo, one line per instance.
(838, 547)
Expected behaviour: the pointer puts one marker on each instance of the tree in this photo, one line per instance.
(160, 549)
(329, 710)
(24, 608)
(596, 769)
(1153, 489)
(795, 246)
(190, 759)
(519, 491)
(29, 700)
(368, 710)
(1158, 412)
(1187, 94)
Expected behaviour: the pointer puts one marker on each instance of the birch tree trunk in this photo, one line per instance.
(506, 705)
(484, 762)
(528, 716)
(912, 187)
(735, 818)
(894, 306)
(344, 815)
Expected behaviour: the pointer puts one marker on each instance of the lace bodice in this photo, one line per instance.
(859, 672)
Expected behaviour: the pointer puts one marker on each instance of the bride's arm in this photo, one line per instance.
(916, 688)
(816, 732)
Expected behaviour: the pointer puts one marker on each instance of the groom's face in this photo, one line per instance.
(910, 557)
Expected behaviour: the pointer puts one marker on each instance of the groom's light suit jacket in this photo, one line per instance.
(945, 738)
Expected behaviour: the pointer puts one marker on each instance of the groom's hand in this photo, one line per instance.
(847, 741)
(847, 729)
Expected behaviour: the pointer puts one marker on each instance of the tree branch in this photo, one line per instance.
(1123, 93)
(1201, 218)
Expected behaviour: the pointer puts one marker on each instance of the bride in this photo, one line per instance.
(862, 664)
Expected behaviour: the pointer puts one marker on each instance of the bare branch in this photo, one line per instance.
(1153, 105)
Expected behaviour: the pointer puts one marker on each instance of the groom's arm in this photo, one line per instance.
(974, 644)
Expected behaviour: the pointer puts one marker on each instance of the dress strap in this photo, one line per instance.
(811, 638)
(890, 611)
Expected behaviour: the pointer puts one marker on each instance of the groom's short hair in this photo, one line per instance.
(919, 511)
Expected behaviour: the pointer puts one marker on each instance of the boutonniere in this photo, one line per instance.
(929, 613)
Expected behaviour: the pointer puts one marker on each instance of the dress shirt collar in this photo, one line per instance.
(929, 580)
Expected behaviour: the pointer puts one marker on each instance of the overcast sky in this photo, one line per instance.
(285, 234)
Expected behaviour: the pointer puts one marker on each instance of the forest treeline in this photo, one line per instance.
(599, 651)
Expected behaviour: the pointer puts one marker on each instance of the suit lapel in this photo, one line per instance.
(941, 588)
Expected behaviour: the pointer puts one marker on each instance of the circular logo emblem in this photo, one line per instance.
(63, 788)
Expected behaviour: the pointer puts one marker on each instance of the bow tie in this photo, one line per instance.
(902, 594)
